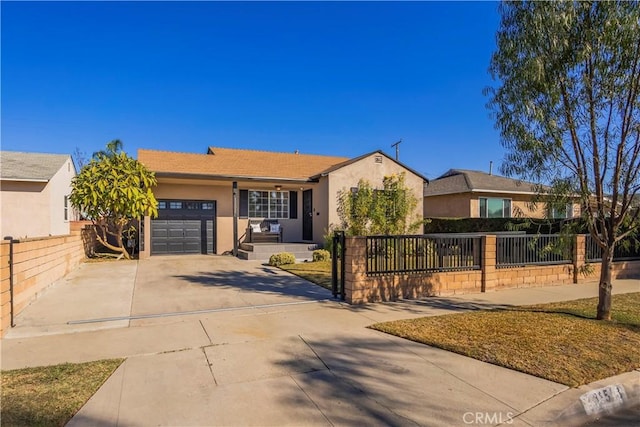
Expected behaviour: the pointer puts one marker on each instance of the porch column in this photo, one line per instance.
(235, 218)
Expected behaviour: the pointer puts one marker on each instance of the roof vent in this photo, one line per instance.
(378, 159)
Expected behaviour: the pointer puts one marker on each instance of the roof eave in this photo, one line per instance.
(232, 177)
(24, 179)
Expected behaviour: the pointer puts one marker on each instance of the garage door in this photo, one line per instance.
(183, 227)
(176, 237)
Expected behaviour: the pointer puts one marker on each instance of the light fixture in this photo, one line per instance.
(278, 187)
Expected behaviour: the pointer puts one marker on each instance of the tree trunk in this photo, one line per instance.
(604, 288)
(102, 238)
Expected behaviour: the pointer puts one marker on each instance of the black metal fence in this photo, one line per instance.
(627, 249)
(517, 251)
(424, 253)
(440, 253)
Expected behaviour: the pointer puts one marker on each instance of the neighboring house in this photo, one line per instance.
(34, 194)
(197, 193)
(461, 193)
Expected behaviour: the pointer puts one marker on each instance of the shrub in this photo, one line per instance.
(276, 260)
(321, 255)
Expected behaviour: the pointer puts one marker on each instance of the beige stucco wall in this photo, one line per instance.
(25, 209)
(372, 171)
(36, 209)
(467, 205)
(448, 206)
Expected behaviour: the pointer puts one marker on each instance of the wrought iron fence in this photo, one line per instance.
(516, 251)
(626, 249)
(424, 253)
(592, 252)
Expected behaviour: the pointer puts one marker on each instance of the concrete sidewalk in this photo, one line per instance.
(293, 361)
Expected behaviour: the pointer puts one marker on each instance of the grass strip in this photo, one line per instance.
(561, 342)
(318, 272)
(51, 395)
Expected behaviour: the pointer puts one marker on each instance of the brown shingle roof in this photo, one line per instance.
(235, 163)
(465, 181)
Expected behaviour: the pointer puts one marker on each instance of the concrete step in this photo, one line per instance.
(264, 256)
(274, 248)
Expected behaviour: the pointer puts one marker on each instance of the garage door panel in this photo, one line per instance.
(183, 232)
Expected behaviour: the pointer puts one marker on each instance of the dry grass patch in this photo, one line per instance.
(318, 272)
(560, 341)
(51, 395)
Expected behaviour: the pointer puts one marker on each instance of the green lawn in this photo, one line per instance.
(51, 395)
(318, 272)
(561, 342)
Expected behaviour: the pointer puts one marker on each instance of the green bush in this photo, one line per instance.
(276, 260)
(321, 255)
(488, 225)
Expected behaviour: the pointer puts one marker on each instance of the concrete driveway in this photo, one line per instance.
(115, 294)
(218, 341)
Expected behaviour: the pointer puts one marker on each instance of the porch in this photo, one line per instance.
(262, 251)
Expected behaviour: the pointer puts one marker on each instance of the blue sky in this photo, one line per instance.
(324, 78)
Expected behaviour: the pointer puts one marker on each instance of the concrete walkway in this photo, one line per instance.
(242, 344)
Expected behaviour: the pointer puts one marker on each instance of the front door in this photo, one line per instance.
(307, 215)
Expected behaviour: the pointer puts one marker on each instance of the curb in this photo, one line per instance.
(612, 401)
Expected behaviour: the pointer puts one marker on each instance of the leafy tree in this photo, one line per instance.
(112, 190)
(365, 210)
(567, 107)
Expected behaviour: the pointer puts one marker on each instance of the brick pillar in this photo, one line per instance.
(579, 254)
(355, 269)
(488, 264)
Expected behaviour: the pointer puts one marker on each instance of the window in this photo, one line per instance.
(268, 204)
(495, 208)
(561, 212)
(66, 208)
(175, 205)
(162, 205)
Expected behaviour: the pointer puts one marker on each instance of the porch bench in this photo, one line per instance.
(259, 231)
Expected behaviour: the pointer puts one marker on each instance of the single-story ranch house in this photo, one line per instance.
(210, 203)
(35, 189)
(461, 193)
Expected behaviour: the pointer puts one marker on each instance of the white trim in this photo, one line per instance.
(24, 180)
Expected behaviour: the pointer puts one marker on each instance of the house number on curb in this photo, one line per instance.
(604, 399)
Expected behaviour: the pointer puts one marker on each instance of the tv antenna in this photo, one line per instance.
(397, 145)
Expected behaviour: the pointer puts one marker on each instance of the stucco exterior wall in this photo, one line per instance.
(36, 209)
(373, 171)
(448, 206)
(467, 205)
(25, 209)
(60, 186)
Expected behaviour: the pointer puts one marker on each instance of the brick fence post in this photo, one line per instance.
(579, 253)
(355, 269)
(488, 264)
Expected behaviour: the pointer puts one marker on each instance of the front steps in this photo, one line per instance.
(262, 251)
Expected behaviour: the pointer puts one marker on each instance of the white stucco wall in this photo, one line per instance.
(59, 187)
